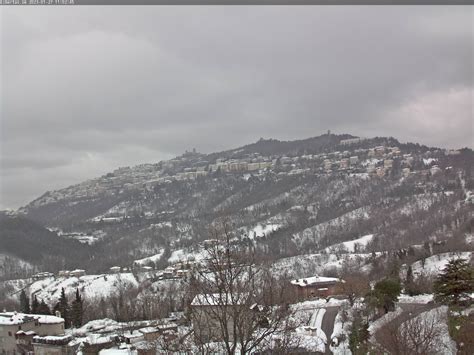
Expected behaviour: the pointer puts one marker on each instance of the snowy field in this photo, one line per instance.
(352, 246)
(311, 264)
(436, 263)
(90, 286)
(152, 258)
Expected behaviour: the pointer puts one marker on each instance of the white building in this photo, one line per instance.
(17, 330)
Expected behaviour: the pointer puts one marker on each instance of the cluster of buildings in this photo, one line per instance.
(73, 273)
(241, 165)
(62, 273)
(22, 333)
(205, 308)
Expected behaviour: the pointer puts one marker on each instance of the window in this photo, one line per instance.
(19, 327)
(9, 334)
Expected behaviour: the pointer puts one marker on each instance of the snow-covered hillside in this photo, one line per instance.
(436, 263)
(352, 246)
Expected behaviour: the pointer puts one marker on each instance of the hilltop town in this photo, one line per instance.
(329, 222)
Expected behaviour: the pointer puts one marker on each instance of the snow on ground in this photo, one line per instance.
(352, 246)
(386, 318)
(341, 330)
(429, 161)
(262, 230)
(313, 280)
(317, 303)
(186, 255)
(421, 299)
(91, 286)
(104, 325)
(304, 312)
(444, 345)
(436, 263)
(303, 265)
(6, 259)
(317, 318)
(312, 339)
(148, 259)
(314, 233)
(419, 202)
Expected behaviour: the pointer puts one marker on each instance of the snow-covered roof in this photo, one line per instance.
(14, 318)
(53, 339)
(29, 332)
(314, 281)
(214, 299)
(43, 319)
(148, 330)
(135, 334)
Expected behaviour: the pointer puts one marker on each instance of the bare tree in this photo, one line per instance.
(229, 305)
(421, 335)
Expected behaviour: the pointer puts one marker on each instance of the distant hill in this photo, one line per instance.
(306, 195)
(31, 242)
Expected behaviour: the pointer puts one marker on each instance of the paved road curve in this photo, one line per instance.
(328, 324)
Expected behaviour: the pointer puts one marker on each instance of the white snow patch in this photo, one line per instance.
(421, 299)
(262, 230)
(352, 246)
(148, 259)
(436, 263)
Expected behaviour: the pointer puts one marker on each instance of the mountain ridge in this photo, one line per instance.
(306, 194)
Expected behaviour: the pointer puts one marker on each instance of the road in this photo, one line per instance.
(327, 324)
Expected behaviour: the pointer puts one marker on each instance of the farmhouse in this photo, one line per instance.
(315, 286)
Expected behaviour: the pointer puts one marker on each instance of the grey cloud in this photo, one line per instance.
(85, 90)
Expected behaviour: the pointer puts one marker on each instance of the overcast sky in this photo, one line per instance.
(85, 90)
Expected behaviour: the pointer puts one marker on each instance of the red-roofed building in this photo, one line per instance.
(316, 286)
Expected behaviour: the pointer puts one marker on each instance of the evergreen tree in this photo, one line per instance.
(455, 282)
(24, 302)
(35, 305)
(409, 282)
(43, 308)
(63, 307)
(359, 335)
(77, 310)
(384, 294)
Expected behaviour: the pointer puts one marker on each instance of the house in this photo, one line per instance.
(344, 163)
(17, 330)
(63, 273)
(54, 345)
(133, 337)
(388, 163)
(150, 333)
(115, 270)
(315, 286)
(42, 275)
(207, 314)
(354, 160)
(167, 328)
(380, 171)
(77, 273)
